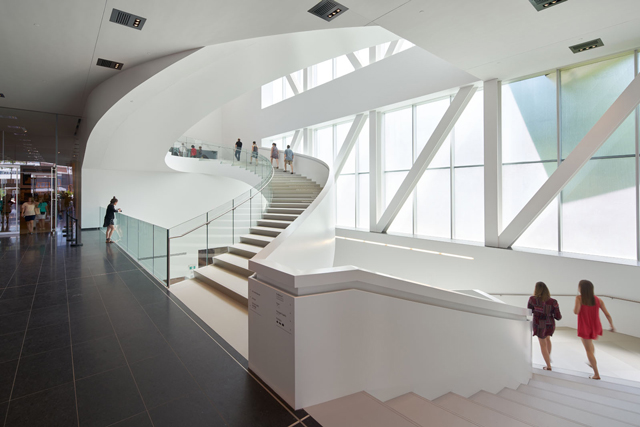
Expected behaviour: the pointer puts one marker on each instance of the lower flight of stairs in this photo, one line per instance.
(229, 273)
(548, 400)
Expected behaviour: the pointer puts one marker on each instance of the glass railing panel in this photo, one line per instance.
(160, 252)
(220, 235)
(120, 234)
(133, 236)
(145, 243)
(186, 240)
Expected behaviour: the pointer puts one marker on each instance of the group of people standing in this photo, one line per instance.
(35, 209)
(587, 306)
(275, 154)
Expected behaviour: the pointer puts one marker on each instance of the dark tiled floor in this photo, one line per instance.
(88, 339)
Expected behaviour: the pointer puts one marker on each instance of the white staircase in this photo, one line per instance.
(229, 273)
(548, 400)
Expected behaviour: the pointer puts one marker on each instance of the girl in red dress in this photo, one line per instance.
(545, 313)
(589, 327)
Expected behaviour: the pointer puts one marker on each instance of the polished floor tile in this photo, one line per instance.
(87, 338)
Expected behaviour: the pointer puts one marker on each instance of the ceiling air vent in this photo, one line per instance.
(586, 46)
(545, 4)
(328, 10)
(127, 19)
(110, 64)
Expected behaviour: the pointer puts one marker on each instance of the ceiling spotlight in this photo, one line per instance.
(545, 4)
(127, 19)
(9, 117)
(110, 64)
(328, 9)
(591, 44)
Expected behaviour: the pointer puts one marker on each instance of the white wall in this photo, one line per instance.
(496, 271)
(405, 75)
(161, 198)
(208, 129)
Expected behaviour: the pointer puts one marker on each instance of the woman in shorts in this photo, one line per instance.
(110, 217)
(274, 155)
(29, 213)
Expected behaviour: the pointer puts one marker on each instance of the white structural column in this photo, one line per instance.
(349, 143)
(375, 168)
(293, 84)
(457, 106)
(593, 140)
(392, 47)
(297, 138)
(492, 162)
(354, 60)
(306, 142)
(372, 55)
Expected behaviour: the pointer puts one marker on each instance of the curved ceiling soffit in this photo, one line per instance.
(135, 132)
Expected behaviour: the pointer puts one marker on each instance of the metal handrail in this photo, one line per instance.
(566, 295)
(225, 212)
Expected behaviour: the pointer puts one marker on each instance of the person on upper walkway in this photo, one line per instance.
(238, 149)
(110, 218)
(288, 158)
(274, 155)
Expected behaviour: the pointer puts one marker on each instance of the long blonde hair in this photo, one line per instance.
(541, 291)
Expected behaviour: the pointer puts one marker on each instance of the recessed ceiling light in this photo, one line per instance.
(127, 19)
(110, 64)
(328, 10)
(545, 4)
(9, 117)
(582, 47)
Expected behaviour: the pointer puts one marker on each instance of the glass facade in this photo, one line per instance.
(543, 119)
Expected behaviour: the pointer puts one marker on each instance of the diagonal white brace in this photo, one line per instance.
(354, 60)
(349, 143)
(293, 84)
(392, 47)
(587, 148)
(297, 137)
(427, 154)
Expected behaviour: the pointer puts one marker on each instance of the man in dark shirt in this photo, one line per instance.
(238, 149)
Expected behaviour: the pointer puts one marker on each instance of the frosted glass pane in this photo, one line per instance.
(397, 140)
(346, 201)
(587, 92)
(519, 184)
(363, 201)
(343, 66)
(350, 166)
(298, 77)
(404, 45)
(287, 140)
(323, 72)
(381, 50)
(469, 204)
(529, 130)
(404, 221)
(276, 86)
(324, 144)
(469, 134)
(288, 91)
(434, 204)
(599, 209)
(363, 148)
(267, 95)
(363, 56)
(427, 118)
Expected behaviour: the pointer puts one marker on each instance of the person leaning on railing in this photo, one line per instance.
(109, 218)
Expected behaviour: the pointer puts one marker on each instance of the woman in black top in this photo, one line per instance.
(110, 217)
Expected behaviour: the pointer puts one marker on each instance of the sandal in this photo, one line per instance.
(546, 369)
(591, 378)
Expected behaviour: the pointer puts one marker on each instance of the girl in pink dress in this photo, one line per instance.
(588, 308)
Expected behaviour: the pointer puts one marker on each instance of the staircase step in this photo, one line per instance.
(358, 410)
(481, 415)
(236, 263)
(306, 200)
(294, 211)
(281, 216)
(274, 223)
(584, 405)
(278, 205)
(232, 284)
(266, 231)
(598, 397)
(246, 250)
(521, 412)
(424, 413)
(603, 388)
(256, 239)
(618, 384)
(560, 410)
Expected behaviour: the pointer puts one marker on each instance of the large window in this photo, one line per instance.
(446, 203)
(323, 72)
(596, 212)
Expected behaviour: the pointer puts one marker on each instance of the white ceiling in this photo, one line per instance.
(49, 48)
